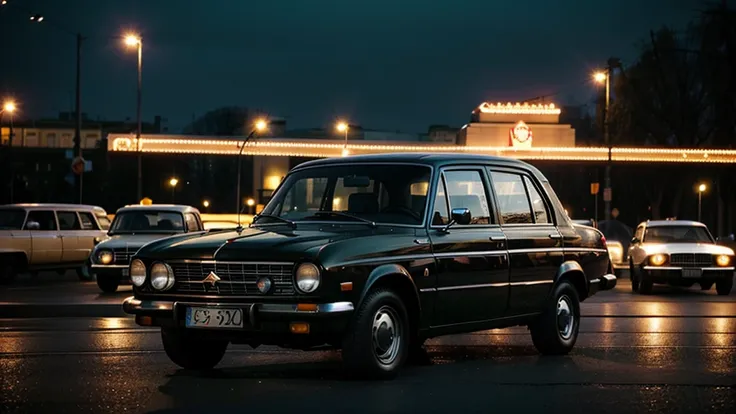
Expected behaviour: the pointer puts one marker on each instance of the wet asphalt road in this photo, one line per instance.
(671, 352)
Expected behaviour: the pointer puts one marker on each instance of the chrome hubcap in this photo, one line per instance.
(386, 335)
(565, 317)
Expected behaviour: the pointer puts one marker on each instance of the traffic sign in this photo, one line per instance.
(78, 165)
(594, 187)
(607, 196)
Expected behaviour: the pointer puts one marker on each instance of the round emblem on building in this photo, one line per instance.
(520, 135)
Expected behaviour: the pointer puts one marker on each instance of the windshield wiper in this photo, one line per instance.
(342, 214)
(287, 221)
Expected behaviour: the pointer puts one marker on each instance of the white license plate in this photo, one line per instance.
(692, 272)
(214, 318)
(126, 272)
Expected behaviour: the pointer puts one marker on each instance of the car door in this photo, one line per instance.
(45, 238)
(71, 232)
(472, 280)
(534, 243)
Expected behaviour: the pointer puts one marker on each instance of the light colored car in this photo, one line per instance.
(57, 237)
(679, 253)
(618, 258)
(132, 228)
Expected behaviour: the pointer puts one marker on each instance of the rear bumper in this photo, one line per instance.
(605, 282)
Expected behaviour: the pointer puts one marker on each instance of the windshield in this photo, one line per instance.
(149, 221)
(395, 194)
(677, 234)
(12, 218)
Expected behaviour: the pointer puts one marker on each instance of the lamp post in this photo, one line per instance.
(132, 40)
(605, 77)
(206, 205)
(259, 126)
(701, 190)
(173, 182)
(250, 203)
(9, 107)
(343, 127)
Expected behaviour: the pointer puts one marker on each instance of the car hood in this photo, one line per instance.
(674, 248)
(130, 241)
(266, 243)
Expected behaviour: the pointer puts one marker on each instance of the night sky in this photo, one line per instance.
(397, 65)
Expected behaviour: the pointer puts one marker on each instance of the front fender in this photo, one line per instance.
(384, 271)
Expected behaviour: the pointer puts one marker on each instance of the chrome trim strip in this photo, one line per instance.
(133, 305)
(661, 268)
(101, 266)
(532, 283)
(384, 259)
(705, 269)
(476, 253)
(718, 268)
(226, 262)
(479, 286)
(335, 307)
(594, 281)
(426, 290)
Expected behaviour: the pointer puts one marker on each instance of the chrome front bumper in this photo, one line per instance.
(135, 306)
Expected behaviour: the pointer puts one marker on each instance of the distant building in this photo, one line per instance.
(442, 134)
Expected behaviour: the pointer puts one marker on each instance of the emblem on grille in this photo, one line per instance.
(212, 279)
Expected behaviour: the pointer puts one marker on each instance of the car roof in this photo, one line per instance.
(663, 223)
(174, 208)
(432, 159)
(55, 206)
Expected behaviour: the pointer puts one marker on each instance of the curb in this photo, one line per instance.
(61, 310)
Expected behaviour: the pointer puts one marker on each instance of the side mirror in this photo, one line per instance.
(461, 216)
(634, 240)
(33, 225)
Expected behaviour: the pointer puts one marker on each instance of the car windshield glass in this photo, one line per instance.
(150, 221)
(12, 218)
(677, 234)
(380, 193)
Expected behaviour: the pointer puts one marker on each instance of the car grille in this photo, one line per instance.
(691, 260)
(236, 278)
(122, 256)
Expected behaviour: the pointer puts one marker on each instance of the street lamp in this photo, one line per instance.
(604, 77)
(260, 125)
(132, 40)
(206, 204)
(10, 107)
(173, 182)
(701, 190)
(344, 127)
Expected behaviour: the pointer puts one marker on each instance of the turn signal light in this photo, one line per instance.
(299, 328)
(306, 307)
(723, 260)
(658, 260)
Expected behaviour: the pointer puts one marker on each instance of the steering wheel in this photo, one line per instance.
(402, 209)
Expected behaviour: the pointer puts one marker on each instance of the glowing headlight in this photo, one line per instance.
(658, 260)
(307, 277)
(137, 273)
(162, 277)
(723, 260)
(104, 257)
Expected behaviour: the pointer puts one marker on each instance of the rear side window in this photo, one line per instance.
(104, 222)
(88, 221)
(192, 223)
(513, 201)
(68, 220)
(45, 219)
(538, 206)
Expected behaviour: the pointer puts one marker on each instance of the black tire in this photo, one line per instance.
(548, 336)
(706, 286)
(645, 282)
(724, 287)
(190, 352)
(634, 276)
(379, 354)
(108, 284)
(8, 271)
(84, 274)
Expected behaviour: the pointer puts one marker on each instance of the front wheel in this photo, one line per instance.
(107, 284)
(190, 352)
(634, 276)
(556, 330)
(723, 287)
(84, 274)
(378, 340)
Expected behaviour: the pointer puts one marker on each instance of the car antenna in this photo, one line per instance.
(260, 125)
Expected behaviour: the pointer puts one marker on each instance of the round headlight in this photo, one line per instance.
(658, 260)
(137, 273)
(162, 277)
(104, 257)
(307, 277)
(723, 260)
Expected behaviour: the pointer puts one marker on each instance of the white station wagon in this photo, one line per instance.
(679, 253)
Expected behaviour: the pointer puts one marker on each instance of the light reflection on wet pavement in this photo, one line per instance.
(672, 352)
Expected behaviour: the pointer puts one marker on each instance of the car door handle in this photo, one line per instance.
(555, 236)
(497, 238)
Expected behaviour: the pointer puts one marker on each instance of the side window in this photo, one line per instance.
(538, 206)
(68, 220)
(192, 223)
(639, 233)
(45, 219)
(104, 222)
(88, 221)
(466, 190)
(513, 203)
(441, 215)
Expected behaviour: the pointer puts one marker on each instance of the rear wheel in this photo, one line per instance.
(706, 286)
(634, 276)
(108, 284)
(190, 352)
(723, 287)
(378, 340)
(556, 330)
